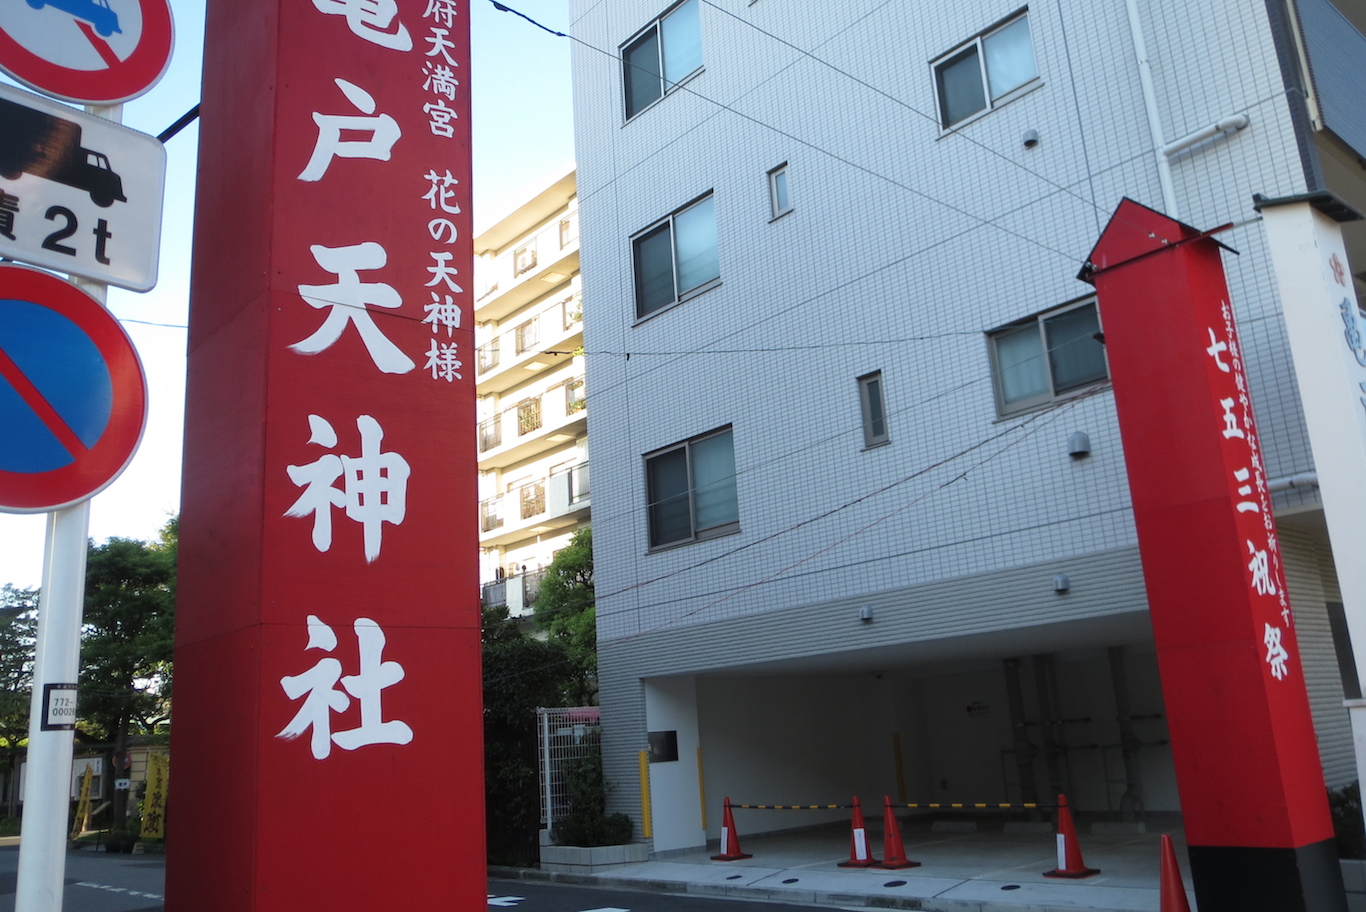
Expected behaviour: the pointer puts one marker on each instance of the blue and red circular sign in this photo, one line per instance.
(73, 398)
(86, 51)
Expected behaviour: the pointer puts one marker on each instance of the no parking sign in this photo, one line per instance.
(73, 398)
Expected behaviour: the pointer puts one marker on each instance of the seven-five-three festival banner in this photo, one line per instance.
(1247, 763)
(328, 722)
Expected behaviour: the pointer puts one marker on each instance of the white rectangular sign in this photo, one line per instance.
(78, 193)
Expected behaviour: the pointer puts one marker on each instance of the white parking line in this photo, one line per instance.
(124, 890)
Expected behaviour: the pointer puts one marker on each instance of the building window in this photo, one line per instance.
(661, 56)
(675, 257)
(874, 409)
(1050, 354)
(528, 416)
(691, 490)
(985, 72)
(777, 191)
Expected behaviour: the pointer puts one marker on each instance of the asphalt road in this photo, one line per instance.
(98, 882)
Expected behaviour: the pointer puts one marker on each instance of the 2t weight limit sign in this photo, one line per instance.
(78, 193)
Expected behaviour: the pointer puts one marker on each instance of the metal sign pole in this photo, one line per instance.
(56, 667)
(42, 844)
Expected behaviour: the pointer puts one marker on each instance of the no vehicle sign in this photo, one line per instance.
(78, 193)
(73, 399)
(86, 51)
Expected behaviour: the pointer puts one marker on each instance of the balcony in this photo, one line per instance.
(557, 501)
(518, 276)
(518, 592)
(557, 414)
(544, 339)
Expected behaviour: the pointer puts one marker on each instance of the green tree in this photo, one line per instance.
(18, 624)
(566, 613)
(126, 642)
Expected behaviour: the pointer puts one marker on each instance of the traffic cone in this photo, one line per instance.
(859, 854)
(1173, 890)
(730, 840)
(893, 852)
(1069, 850)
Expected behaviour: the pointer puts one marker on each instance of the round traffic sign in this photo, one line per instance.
(73, 399)
(86, 51)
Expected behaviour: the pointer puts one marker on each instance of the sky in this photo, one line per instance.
(523, 140)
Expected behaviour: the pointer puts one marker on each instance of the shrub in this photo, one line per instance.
(1345, 803)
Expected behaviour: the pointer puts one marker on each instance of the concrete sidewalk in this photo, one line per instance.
(959, 872)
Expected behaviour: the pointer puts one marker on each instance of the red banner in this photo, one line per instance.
(1247, 761)
(328, 721)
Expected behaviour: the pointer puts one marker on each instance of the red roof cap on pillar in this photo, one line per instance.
(1135, 231)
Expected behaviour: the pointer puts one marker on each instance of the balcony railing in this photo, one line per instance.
(490, 433)
(528, 335)
(575, 398)
(491, 514)
(487, 355)
(528, 416)
(532, 499)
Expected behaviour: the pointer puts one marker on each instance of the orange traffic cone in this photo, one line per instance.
(1173, 891)
(1070, 863)
(893, 852)
(859, 854)
(730, 840)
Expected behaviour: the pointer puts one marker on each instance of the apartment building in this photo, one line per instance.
(862, 521)
(532, 410)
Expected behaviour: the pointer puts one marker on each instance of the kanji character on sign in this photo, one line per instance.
(383, 130)
(440, 193)
(443, 273)
(346, 302)
(1215, 348)
(318, 687)
(9, 207)
(1231, 428)
(440, 45)
(1245, 490)
(371, 20)
(443, 361)
(1276, 656)
(442, 11)
(440, 80)
(440, 227)
(374, 485)
(1261, 571)
(443, 313)
(441, 117)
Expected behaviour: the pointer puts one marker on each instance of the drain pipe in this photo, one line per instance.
(1163, 151)
(1290, 482)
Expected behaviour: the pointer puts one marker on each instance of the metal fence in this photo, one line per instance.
(564, 736)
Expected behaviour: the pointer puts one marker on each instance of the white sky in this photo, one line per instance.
(523, 139)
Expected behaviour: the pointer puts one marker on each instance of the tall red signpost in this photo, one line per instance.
(328, 719)
(1247, 763)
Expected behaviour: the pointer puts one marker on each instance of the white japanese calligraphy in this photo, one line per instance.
(1261, 571)
(440, 80)
(441, 117)
(1245, 490)
(318, 687)
(371, 20)
(383, 130)
(443, 361)
(440, 45)
(1214, 350)
(374, 485)
(1231, 428)
(1276, 655)
(443, 273)
(443, 313)
(440, 194)
(346, 302)
(442, 11)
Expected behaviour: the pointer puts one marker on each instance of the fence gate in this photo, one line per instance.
(564, 735)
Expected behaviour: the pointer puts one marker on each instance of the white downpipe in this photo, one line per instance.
(1145, 79)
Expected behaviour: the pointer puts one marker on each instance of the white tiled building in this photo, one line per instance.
(533, 455)
(842, 545)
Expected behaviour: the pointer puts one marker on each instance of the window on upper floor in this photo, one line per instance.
(675, 257)
(987, 71)
(873, 408)
(660, 56)
(778, 201)
(1038, 360)
(691, 491)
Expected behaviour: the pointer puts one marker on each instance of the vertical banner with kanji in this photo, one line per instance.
(327, 642)
(1247, 764)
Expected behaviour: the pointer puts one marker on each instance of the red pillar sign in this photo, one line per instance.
(1247, 763)
(328, 720)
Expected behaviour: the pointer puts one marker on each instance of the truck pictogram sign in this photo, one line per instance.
(86, 51)
(47, 146)
(79, 194)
